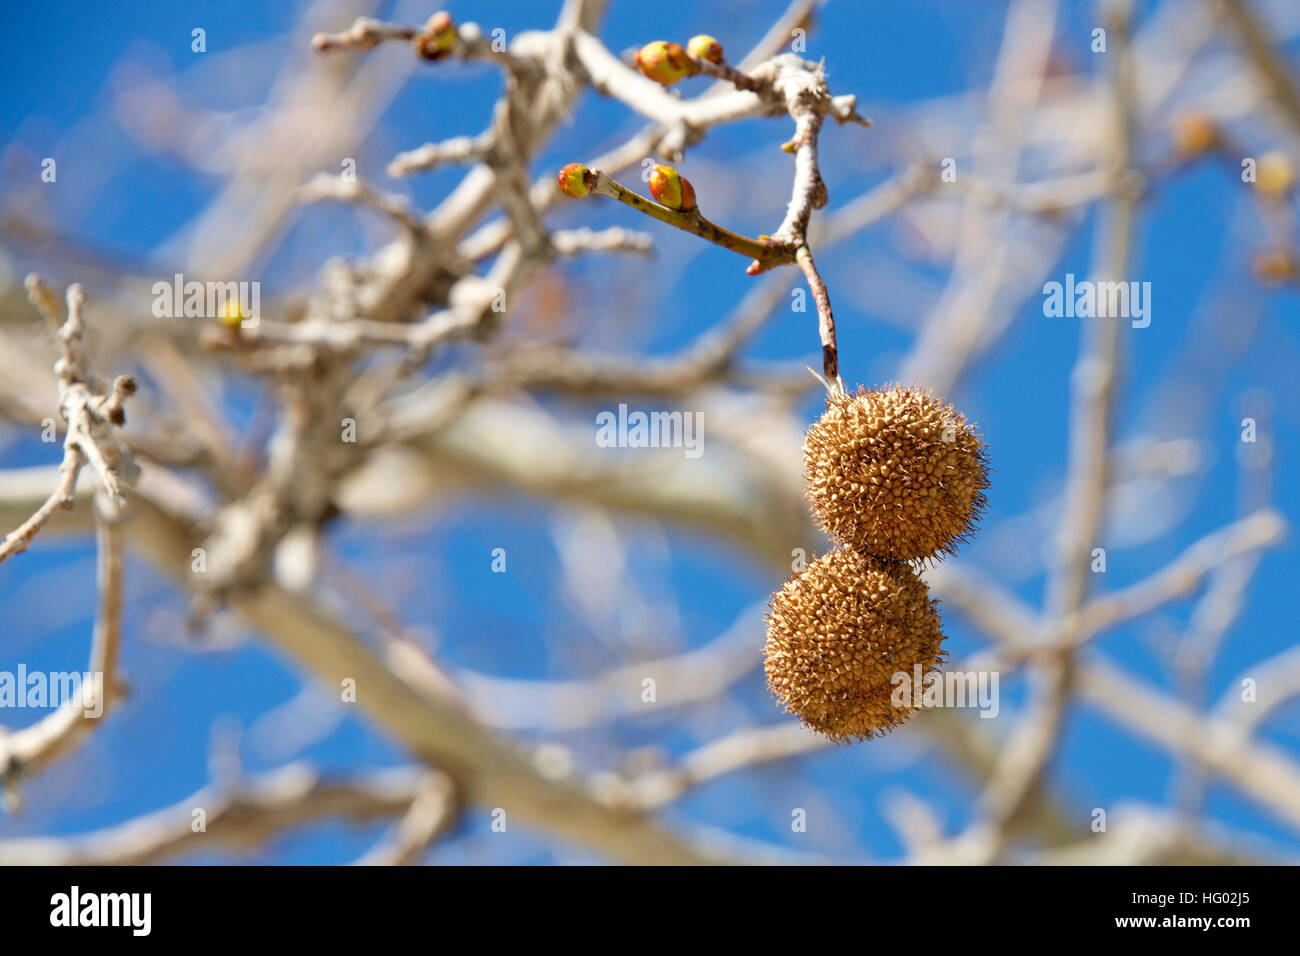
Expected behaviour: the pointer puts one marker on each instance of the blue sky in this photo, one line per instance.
(1195, 235)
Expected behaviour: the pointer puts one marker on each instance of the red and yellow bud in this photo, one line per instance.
(576, 180)
(670, 188)
(705, 47)
(664, 62)
(437, 38)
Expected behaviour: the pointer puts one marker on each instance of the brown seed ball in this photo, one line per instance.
(839, 631)
(895, 472)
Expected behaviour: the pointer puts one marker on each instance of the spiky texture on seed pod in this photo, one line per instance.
(664, 62)
(839, 631)
(895, 472)
(670, 188)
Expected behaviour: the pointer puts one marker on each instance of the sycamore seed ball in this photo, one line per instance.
(839, 631)
(895, 472)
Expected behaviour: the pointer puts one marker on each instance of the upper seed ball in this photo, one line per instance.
(838, 633)
(895, 472)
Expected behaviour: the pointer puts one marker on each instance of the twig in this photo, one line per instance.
(460, 149)
(765, 252)
(431, 814)
(239, 819)
(807, 100)
(561, 705)
(1184, 574)
(1277, 682)
(487, 769)
(738, 751)
(364, 34)
(825, 318)
(1094, 380)
(1023, 763)
(62, 497)
(25, 752)
(1271, 67)
(1257, 769)
(326, 187)
(465, 41)
(89, 416)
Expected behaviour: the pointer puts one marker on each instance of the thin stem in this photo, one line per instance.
(764, 252)
(725, 71)
(825, 318)
(18, 539)
(364, 33)
(1271, 68)
(26, 751)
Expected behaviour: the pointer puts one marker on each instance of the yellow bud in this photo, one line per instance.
(664, 62)
(1274, 175)
(705, 47)
(672, 189)
(231, 316)
(438, 37)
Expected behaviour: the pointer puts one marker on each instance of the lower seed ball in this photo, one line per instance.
(839, 631)
(895, 472)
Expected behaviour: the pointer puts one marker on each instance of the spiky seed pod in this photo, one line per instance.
(705, 47)
(670, 188)
(664, 62)
(895, 472)
(838, 633)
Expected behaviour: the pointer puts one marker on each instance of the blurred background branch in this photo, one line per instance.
(385, 495)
